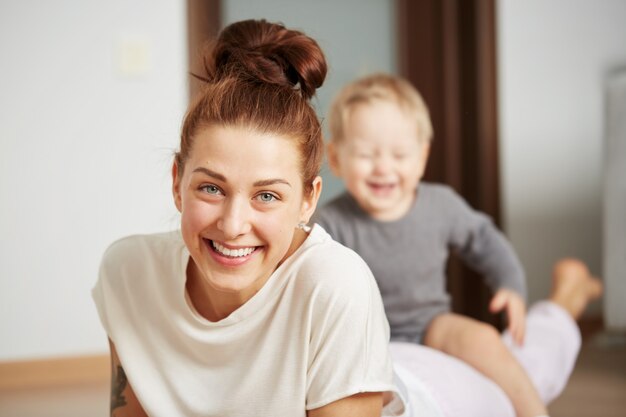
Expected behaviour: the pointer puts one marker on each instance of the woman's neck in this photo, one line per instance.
(214, 305)
(209, 304)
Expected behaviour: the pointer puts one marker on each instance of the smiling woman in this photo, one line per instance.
(240, 189)
(246, 311)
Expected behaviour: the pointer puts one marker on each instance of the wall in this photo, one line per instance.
(357, 36)
(86, 148)
(614, 222)
(87, 138)
(553, 60)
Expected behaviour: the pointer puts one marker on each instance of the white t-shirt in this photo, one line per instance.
(315, 333)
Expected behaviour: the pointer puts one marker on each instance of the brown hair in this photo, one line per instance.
(261, 75)
(379, 87)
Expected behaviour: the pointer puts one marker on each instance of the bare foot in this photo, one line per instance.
(573, 286)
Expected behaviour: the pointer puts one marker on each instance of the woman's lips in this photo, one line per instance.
(230, 256)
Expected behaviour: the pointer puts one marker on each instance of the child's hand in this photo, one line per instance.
(515, 310)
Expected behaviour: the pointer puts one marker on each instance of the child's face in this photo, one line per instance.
(381, 159)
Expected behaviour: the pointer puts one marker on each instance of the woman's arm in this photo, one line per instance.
(367, 404)
(124, 403)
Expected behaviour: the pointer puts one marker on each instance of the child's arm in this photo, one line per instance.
(485, 249)
(490, 254)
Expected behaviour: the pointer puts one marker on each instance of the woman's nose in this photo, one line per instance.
(235, 218)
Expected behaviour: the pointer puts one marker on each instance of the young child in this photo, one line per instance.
(404, 229)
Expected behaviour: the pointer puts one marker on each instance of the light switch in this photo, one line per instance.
(132, 56)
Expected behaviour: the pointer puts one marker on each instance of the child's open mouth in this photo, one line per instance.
(381, 189)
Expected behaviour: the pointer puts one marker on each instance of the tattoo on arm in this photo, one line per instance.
(118, 384)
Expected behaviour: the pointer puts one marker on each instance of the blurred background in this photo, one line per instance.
(92, 96)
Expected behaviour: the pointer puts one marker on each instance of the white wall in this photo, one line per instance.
(85, 156)
(86, 148)
(357, 36)
(553, 59)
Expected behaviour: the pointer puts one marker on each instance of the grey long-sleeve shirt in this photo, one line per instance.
(408, 256)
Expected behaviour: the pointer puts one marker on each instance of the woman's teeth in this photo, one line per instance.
(233, 253)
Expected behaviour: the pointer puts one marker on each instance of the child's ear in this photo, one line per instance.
(425, 153)
(333, 158)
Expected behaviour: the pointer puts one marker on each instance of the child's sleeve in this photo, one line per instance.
(479, 243)
(327, 217)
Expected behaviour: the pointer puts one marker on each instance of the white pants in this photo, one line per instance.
(439, 385)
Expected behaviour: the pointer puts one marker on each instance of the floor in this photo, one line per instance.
(598, 385)
(597, 388)
(73, 401)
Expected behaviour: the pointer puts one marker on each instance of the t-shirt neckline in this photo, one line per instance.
(262, 299)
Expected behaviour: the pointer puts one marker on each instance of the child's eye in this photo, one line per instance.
(267, 197)
(400, 156)
(211, 189)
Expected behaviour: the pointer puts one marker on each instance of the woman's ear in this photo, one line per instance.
(309, 202)
(176, 187)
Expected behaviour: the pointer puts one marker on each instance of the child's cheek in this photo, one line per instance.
(363, 165)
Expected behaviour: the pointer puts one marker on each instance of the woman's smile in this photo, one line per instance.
(231, 255)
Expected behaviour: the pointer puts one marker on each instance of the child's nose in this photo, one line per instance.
(382, 164)
(235, 219)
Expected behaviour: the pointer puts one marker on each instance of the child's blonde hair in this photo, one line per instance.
(374, 87)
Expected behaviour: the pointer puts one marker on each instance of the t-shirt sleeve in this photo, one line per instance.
(101, 292)
(97, 293)
(476, 239)
(109, 290)
(349, 334)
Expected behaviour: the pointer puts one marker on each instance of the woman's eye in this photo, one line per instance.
(210, 189)
(267, 197)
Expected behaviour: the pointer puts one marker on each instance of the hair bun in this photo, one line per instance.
(268, 52)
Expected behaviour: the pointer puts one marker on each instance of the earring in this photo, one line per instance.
(303, 226)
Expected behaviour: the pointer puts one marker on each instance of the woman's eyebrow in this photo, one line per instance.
(210, 173)
(273, 181)
(260, 183)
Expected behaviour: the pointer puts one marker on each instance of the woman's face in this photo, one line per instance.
(240, 198)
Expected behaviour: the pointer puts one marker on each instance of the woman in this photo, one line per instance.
(246, 311)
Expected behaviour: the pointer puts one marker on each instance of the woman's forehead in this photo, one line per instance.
(238, 150)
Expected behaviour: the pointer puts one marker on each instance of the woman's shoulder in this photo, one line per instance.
(136, 251)
(329, 264)
(330, 253)
(132, 245)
